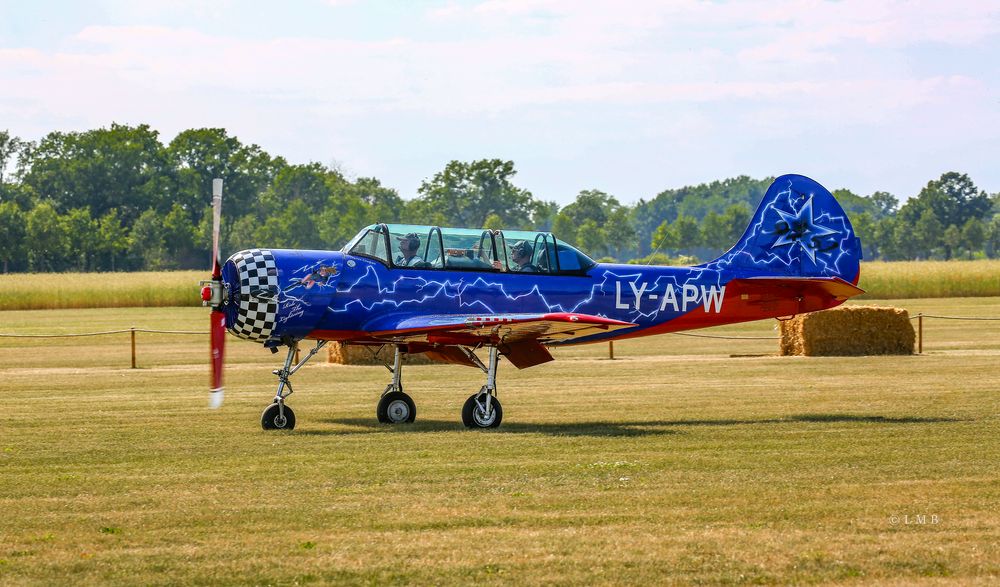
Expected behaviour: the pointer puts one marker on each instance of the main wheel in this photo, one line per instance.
(396, 407)
(271, 419)
(474, 412)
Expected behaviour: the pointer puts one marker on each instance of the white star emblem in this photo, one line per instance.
(802, 229)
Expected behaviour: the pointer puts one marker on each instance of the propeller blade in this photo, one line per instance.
(218, 326)
(218, 334)
(216, 226)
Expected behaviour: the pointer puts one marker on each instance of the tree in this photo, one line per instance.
(927, 233)
(883, 236)
(736, 217)
(45, 238)
(885, 204)
(112, 237)
(179, 237)
(973, 235)
(715, 231)
(591, 238)
(147, 241)
(10, 147)
(466, 193)
(619, 232)
(313, 184)
(493, 222)
(953, 198)
(564, 228)
(992, 244)
(200, 155)
(951, 239)
(121, 167)
(12, 234)
(663, 238)
(865, 227)
(687, 236)
(293, 227)
(82, 235)
(543, 215)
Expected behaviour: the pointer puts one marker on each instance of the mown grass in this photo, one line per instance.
(37, 291)
(673, 464)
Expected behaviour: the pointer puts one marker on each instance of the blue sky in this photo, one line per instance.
(629, 97)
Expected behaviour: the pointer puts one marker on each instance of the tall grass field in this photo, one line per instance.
(37, 291)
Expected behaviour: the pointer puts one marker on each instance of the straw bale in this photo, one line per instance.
(849, 331)
(353, 354)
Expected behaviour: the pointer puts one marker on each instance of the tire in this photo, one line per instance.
(396, 407)
(473, 417)
(271, 418)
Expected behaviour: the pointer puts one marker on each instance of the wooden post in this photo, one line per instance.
(920, 333)
(132, 331)
(611, 350)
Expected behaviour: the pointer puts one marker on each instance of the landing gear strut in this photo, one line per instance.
(278, 416)
(483, 409)
(395, 406)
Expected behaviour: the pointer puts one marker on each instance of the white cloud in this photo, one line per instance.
(686, 70)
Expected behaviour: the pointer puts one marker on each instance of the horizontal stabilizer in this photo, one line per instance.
(834, 287)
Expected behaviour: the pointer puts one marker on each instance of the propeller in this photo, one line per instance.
(212, 294)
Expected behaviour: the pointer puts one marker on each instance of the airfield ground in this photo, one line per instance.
(675, 463)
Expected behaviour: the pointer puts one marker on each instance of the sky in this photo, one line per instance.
(628, 97)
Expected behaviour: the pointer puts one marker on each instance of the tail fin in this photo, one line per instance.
(798, 230)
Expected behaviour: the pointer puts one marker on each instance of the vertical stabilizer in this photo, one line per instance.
(799, 230)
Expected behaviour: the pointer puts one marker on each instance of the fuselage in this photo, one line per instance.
(355, 296)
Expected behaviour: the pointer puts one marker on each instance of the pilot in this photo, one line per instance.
(521, 254)
(408, 247)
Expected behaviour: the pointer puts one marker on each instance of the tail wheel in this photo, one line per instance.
(474, 414)
(396, 407)
(272, 418)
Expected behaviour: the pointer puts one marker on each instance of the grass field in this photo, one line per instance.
(38, 291)
(676, 463)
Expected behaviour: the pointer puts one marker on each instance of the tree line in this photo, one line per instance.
(119, 199)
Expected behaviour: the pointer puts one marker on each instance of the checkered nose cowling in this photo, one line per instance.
(258, 304)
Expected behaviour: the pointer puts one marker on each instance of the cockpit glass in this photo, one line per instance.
(431, 247)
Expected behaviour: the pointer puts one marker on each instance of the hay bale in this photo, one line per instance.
(355, 354)
(849, 331)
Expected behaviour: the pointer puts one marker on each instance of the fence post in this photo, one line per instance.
(920, 333)
(132, 331)
(611, 350)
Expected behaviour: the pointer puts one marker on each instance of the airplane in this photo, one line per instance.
(448, 292)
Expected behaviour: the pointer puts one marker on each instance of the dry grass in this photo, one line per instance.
(930, 279)
(43, 291)
(675, 464)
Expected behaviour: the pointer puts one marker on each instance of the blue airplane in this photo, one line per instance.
(447, 292)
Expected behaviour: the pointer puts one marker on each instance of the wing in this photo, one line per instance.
(467, 329)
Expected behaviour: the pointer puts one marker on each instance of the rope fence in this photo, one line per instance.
(132, 331)
(611, 344)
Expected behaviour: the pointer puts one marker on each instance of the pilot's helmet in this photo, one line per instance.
(521, 249)
(411, 239)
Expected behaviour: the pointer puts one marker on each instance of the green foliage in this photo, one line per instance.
(465, 194)
(12, 233)
(118, 199)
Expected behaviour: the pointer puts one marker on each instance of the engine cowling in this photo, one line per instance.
(278, 293)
